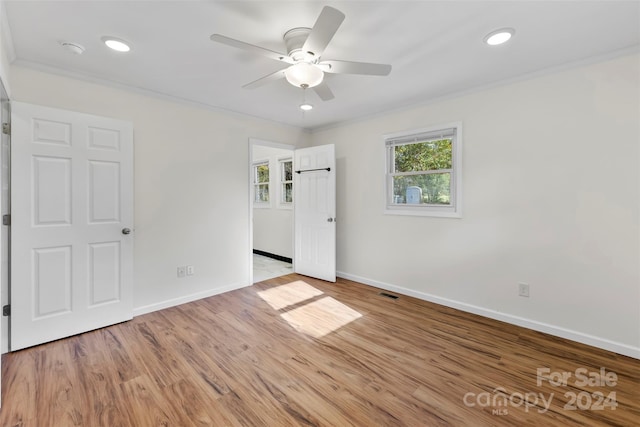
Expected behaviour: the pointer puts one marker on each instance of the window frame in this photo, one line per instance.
(256, 184)
(282, 204)
(454, 210)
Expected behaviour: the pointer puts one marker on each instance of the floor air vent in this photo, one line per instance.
(384, 294)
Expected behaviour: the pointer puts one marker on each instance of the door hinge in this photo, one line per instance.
(6, 310)
(6, 128)
(6, 219)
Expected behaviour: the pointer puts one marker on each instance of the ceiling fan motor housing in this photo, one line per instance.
(294, 40)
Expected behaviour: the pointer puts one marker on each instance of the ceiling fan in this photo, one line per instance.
(305, 47)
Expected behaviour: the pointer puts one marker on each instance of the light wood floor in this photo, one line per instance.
(296, 351)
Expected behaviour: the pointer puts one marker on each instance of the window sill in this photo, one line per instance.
(423, 211)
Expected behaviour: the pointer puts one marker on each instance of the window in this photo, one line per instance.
(423, 174)
(261, 183)
(286, 181)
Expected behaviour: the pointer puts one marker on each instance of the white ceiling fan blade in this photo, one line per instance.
(349, 67)
(323, 91)
(323, 30)
(264, 80)
(251, 48)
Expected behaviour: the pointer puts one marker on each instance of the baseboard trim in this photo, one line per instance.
(138, 311)
(580, 337)
(274, 256)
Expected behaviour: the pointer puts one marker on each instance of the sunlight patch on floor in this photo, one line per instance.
(320, 317)
(290, 294)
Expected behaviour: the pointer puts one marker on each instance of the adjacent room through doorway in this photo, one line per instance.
(271, 192)
(266, 267)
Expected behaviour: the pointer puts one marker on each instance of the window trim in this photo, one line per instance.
(254, 167)
(282, 204)
(405, 137)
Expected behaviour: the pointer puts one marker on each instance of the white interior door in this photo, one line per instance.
(314, 190)
(72, 211)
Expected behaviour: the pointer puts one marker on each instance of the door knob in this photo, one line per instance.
(329, 219)
(126, 231)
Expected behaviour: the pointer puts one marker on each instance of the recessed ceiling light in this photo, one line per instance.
(306, 107)
(116, 44)
(500, 36)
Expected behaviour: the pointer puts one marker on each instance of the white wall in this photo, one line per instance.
(550, 198)
(273, 226)
(6, 49)
(191, 184)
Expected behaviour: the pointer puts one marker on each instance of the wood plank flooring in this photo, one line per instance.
(295, 351)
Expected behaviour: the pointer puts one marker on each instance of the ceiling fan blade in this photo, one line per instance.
(349, 67)
(323, 91)
(264, 80)
(323, 30)
(251, 48)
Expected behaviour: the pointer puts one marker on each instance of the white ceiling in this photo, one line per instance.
(435, 47)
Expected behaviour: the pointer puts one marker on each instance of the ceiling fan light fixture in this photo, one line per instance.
(304, 75)
(306, 107)
(500, 36)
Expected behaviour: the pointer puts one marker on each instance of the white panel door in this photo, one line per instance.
(72, 214)
(315, 212)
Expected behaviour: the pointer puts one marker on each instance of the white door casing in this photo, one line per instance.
(5, 183)
(315, 212)
(71, 201)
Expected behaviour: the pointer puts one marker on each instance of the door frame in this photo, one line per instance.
(264, 143)
(5, 231)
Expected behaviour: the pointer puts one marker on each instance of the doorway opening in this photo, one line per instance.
(271, 209)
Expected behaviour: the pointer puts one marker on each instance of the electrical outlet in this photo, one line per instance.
(523, 289)
(182, 271)
(190, 270)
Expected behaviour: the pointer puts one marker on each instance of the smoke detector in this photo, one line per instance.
(74, 48)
